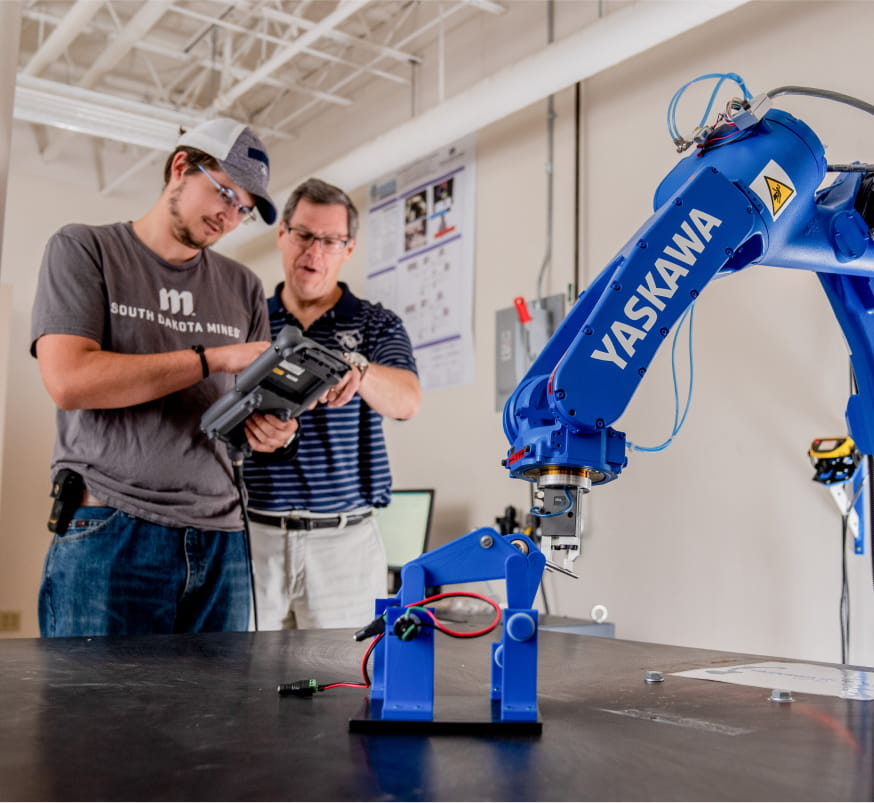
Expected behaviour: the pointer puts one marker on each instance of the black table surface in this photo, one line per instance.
(198, 717)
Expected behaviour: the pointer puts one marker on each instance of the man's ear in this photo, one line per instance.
(179, 165)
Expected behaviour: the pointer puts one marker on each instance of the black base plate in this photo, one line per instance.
(457, 716)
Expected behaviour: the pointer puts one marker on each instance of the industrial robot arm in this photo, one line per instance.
(748, 197)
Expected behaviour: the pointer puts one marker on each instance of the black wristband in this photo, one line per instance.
(203, 363)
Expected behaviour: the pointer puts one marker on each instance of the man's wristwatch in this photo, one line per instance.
(358, 361)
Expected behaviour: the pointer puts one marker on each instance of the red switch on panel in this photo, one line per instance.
(522, 310)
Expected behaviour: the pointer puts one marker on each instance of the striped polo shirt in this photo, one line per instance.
(342, 462)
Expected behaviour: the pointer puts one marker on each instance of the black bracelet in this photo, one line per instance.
(203, 363)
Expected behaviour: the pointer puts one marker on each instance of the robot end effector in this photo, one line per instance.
(559, 510)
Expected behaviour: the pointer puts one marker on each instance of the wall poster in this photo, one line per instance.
(420, 250)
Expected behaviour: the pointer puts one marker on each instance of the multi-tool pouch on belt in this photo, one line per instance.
(67, 488)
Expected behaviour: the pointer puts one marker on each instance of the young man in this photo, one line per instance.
(138, 327)
(318, 557)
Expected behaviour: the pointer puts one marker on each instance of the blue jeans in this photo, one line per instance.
(113, 574)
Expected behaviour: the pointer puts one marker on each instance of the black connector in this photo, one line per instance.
(407, 626)
(300, 688)
(376, 627)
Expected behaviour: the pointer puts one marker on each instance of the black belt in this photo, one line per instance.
(292, 522)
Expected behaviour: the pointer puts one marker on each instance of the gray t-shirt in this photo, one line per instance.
(150, 460)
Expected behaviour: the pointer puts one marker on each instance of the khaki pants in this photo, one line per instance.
(308, 579)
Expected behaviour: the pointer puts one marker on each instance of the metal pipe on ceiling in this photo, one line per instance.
(343, 11)
(611, 40)
(73, 23)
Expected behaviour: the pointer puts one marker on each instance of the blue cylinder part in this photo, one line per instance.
(521, 627)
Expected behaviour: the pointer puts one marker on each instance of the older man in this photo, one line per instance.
(319, 560)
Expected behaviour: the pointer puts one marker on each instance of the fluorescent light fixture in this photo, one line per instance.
(44, 102)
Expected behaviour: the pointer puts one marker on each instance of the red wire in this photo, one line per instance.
(437, 624)
(352, 685)
(717, 139)
(473, 634)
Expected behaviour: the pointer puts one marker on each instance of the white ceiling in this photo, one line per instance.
(106, 85)
(135, 71)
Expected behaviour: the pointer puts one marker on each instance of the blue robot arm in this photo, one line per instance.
(745, 198)
(752, 200)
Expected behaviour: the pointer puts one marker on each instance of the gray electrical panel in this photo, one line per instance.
(517, 345)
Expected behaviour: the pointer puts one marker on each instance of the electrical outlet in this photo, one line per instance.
(10, 621)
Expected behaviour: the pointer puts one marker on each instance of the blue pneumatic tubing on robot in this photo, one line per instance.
(749, 198)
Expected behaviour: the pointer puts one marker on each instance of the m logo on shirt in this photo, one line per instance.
(174, 302)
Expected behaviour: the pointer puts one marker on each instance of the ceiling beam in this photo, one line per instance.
(604, 44)
(344, 10)
(347, 79)
(121, 44)
(340, 36)
(73, 23)
(611, 40)
(137, 27)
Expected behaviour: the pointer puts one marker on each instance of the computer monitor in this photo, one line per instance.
(404, 526)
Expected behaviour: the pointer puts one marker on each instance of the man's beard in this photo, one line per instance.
(182, 232)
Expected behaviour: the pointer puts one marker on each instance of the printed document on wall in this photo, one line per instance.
(420, 247)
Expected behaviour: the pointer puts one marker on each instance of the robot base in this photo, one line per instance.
(402, 690)
(459, 716)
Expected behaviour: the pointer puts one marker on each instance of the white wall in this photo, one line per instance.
(10, 18)
(41, 198)
(5, 317)
(722, 541)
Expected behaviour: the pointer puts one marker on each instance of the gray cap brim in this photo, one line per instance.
(251, 182)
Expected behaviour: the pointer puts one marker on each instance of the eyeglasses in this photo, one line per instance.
(231, 199)
(304, 238)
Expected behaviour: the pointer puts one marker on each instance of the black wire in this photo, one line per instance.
(237, 463)
(826, 94)
(370, 649)
(738, 137)
(440, 629)
(426, 622)
(844, 607)
(853, 168)
(870, 522)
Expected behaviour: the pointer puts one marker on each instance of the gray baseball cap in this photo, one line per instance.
(240, 154)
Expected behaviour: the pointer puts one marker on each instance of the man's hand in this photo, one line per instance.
(344, 390)
(267, 433)
(233, 359)
(392, 392)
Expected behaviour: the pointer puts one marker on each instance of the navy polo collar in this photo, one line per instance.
(346, 307)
